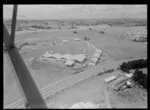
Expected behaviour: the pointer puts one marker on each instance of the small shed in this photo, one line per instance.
(69, 63)
(65, 41)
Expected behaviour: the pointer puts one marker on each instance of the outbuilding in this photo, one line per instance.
(65, 41)
(69, 63)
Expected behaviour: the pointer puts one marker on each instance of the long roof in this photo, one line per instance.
(78, 57)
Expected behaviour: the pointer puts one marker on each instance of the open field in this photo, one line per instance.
(44, 73)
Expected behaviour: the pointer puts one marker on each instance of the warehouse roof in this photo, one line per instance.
(79, 57)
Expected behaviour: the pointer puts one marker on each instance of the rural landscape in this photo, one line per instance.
(67, 57)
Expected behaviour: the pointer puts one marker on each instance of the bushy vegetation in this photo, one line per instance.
(136, 64)
(140, 78)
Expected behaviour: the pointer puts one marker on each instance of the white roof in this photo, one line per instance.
(128, 83)
(65, 41)
(129, 75)
(80, 57)
(84, 105)
(109, 79)
(69, 62)
(47, 54)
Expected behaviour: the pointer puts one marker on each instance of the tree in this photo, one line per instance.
(140, 78)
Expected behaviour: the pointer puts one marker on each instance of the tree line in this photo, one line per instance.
(140, 78)
(135, 64)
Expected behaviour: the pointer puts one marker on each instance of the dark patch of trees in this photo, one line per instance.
(86, 38)
(75, 32)
(135, 64)
(101, 32)
(140, 78)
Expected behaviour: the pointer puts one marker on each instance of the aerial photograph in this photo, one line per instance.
(75, 56)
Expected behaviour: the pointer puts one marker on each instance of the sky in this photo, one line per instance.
(76, 11)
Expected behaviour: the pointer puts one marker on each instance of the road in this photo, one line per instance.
(69, 81)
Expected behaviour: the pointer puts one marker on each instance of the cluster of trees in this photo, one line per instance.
(140, 78)
(135, 64)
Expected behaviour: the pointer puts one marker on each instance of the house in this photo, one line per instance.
(69, 63)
